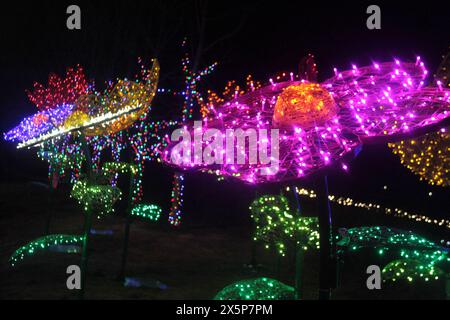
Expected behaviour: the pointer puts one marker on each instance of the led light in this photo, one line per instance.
(277, 225)
(257, 289)
(42, 244)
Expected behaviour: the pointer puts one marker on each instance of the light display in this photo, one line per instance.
(373, 103)
(39, 124)
(396, 212)
(81, 129)
(192, 79)
(384, 237)
(146, 142)
(111, 168)
(100, 121)
(116, 110)
(414, 256)
(428, 156)
(60, 90)
(257, 289)
(231, 91)
(147, 211)
(43, 244)
(123, 95)
(191, 94)
(99, 198)
(409, 270)
(176, 200)
(62, 158)
(277, 225)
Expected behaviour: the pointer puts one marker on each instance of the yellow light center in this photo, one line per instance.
(304, 105)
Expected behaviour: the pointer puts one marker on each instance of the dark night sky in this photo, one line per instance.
(265, 38)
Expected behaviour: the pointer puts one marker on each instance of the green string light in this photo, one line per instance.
(383, 237)
(100, 198)
(415, 256)
(147, 211)
(277, 226)
(257, 289)
(111, 168)
(410, 270)
(43, 244)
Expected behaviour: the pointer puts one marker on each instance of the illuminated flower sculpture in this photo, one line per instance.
(321, 123)
(316, 125)
(74, 115)
(92, 114)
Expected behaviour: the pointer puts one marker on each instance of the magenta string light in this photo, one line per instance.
(361, 105)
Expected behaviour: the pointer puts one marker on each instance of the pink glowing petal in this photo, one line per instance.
(373, 82)
(412, 111)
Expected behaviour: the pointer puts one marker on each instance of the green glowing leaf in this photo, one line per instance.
(147, 211)
(257, 289)
(44, 244)
(100, 198)
(410, 270)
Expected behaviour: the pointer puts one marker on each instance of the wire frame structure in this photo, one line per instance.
(377, 103)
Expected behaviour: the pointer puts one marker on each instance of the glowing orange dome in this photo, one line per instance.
(304, 105)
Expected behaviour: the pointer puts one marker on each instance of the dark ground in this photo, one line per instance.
(195, 261)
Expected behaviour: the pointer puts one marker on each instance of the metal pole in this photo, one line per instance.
(447, 286)
(299, 257)
(50, 204)
(85, 254)
(121, 275)
(327, 268)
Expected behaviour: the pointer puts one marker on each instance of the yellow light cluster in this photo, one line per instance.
(127, 93)
(76, 119)
(399, 213)
(428, 157)
(304, 105)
